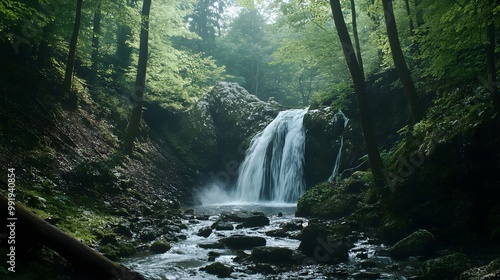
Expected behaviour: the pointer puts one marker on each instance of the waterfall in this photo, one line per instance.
(336, 167)
(273, 168)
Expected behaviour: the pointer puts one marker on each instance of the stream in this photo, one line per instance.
(368, 259)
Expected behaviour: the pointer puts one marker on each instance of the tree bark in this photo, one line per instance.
(140, 81)
(95, 40)
(82, 257)
(356, 38)
(491, 62)
(400, 63)
(359, 87)
(68, 76)
(410, 19)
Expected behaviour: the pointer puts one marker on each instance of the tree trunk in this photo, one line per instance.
(43, 48)
(95, 40)
(410, 19)
(356, 38)
(419, 14)
(400, 63)
(359, 87)
(88, 261)
(140, 81)
(491, 63)
(68, 76)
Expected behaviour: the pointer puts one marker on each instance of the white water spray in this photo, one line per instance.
(273, 169)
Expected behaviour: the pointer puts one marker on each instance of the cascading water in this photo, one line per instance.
(336, 117)
(273, 168)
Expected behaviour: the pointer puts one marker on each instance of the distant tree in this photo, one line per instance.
(361, 95)
(68, 76)
(206, 21)
(356, 38)
(490, 58)
(96, 33)
(400, 63)
(140, 81)
(410, 17)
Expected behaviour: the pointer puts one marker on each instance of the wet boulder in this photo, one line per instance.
(487, 272)
(205, 231)
(324, 244)
(324, 128)
(271, 255)
(246, 219)
(222, 225)
(419, 243)
(160, 247)
(446, 267)
(213, 245)
(218, 269)
(243, 242)
(254, 221)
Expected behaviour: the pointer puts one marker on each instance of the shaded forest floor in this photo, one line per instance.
(70, 169)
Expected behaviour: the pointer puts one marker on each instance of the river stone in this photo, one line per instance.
(271, 254)
(254, 221)
(218, 269)
(213, 245)
(160, 247)
(239, 216)
(277, 233)
(419, 243)
(323, 244)
(486, 272)
(205, 232)
(243, 242)
(446, 267)
(221, 225)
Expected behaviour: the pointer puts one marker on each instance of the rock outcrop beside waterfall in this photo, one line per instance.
(214, 134)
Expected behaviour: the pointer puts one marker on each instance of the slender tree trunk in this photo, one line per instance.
(418, 14)
(68, 76)
(410, 19)
(140, 81)
(491, 63)
(43, 48)
(356, 38)
(400, 63)
(95, 40)
(359, 87)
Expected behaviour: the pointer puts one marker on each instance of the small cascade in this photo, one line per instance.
(273, 169)
(335, 120)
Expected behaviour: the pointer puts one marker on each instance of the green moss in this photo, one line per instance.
(160, 247)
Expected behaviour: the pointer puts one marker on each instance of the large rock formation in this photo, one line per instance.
(213, 135)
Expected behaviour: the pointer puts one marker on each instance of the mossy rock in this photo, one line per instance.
(395, 228)
(321, 240)
(446, 267)
(326, 200)
(117, 251)
(324, 129)
(218, 269)
(160, 247)
(419, 243)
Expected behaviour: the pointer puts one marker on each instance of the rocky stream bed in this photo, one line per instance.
(263, 241)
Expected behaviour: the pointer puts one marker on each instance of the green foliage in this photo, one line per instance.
(453, 38)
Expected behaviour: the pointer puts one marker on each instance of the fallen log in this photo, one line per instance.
(82, 257)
